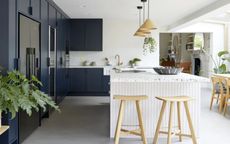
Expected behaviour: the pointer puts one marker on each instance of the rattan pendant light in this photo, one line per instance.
(139, 32)
(148, 24)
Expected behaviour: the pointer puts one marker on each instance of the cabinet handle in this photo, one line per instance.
(30, 9)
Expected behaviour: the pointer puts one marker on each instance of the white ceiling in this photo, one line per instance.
(163, 12)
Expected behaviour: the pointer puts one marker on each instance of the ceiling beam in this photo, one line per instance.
(200, 15)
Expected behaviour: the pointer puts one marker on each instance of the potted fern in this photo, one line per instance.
(17, 92)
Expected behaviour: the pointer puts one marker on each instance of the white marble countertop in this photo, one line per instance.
(152, 76)
(97, 66)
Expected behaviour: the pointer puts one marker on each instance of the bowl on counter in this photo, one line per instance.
(168, 70)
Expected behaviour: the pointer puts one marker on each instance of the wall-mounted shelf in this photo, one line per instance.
(3, 129)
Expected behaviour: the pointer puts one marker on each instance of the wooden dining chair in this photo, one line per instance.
(217, 91)
(227, 96)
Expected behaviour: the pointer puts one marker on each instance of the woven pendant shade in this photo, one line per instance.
(148, 25)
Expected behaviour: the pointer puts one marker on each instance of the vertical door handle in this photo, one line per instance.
(48, 62)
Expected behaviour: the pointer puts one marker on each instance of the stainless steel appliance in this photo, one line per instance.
(29, 64)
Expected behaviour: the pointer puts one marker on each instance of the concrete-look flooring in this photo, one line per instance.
(85, 120)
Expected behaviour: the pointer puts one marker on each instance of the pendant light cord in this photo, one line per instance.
(148, 8)
(143, 11)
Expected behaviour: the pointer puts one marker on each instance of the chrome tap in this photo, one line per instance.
(119, 63)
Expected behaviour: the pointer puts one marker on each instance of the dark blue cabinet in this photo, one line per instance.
(88, 82)
(78, 80)
(30, 8)
(52, 16)
(8, 45)
(94, 80)
(44, 45)
(93, 35)
(77, 35)
(86, 34)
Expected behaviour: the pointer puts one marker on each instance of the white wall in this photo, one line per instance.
(118, 39)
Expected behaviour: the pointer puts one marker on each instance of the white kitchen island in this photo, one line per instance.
(152, 85)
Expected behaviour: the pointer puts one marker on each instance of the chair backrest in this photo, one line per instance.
(217, 84)
(228, 87)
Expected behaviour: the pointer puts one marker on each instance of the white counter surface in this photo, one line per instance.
(151, 76)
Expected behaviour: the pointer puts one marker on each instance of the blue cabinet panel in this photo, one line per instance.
(86, 34)
(52, 16)
(93, 35)
(30, 8)
(88, 82)
(94, 79)
(77, 35)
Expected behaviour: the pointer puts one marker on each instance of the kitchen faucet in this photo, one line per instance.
(119, 63)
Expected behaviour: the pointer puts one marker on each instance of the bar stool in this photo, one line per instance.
(119, 131)
(172, 100)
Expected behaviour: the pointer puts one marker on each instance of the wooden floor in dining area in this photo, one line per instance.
(85, 120)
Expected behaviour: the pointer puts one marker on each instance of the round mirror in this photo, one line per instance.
(198, 41)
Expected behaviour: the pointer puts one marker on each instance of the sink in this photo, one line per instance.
(128, 70)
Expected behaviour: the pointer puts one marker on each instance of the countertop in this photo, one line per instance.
(97, 66)
(152, 76)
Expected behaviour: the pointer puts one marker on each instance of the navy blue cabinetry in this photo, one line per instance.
(30, 8)
(77, 35)
(78, 80)
(86, 34)
(88, 82)
(8, 46)
(52, 16)
(93, 35)
(94, 80)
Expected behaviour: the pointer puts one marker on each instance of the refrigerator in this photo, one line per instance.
(29, 64)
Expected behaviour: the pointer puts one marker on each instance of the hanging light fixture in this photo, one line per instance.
(141, 33)
(148, 24)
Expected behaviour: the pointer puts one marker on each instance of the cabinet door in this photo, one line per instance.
(77, 35)
(23, 6)
(44, 45)
(93, 35)
(35, 9)
(94, 79)
(106, 84)
(77, 80)
(52, 16)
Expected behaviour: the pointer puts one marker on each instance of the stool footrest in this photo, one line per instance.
(177, 134)
(136, 132)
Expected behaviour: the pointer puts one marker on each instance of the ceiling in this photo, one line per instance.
(163, 12)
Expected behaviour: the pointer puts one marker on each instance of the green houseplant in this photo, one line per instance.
(134, 62)
(150, 45)
(17, 92)
(220, 62)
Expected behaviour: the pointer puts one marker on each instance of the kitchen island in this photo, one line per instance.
(151, 84)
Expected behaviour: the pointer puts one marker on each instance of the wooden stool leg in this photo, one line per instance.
(170, 123)
(213, 94)
(179, 120)
(159, 123)
(140, 119)
(225, 106)
(119, 122)
(221, 105)
(190, 122)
